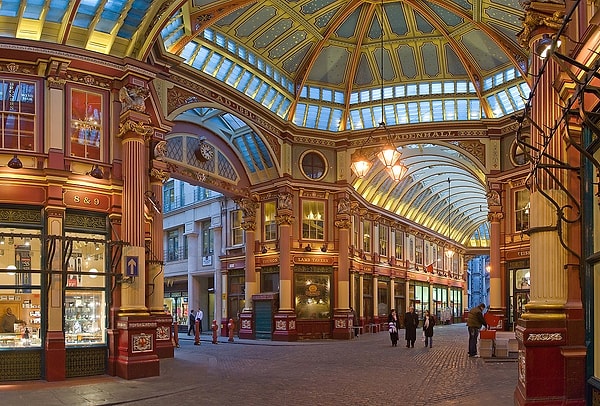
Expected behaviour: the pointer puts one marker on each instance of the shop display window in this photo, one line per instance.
(85, 318)
(85, 289)
(20, 310)
(312, 295)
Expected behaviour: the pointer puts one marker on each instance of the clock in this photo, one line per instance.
(204, 152)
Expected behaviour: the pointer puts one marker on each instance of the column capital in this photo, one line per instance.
(540, 16)
(133, 124)
(495, 217)
(285, 219)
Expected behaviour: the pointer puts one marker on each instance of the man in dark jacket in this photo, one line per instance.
(474, 323)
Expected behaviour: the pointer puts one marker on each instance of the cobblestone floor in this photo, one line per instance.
(363, 371)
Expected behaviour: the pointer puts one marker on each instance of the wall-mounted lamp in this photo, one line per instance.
(11, 267)
(15, 163)
(96, 172)
(263, 249)
(308, 248)
(27, 241)
(324, 248)
(1, 240)
(547, 46)
(93, 273)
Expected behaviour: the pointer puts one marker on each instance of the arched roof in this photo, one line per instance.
(328, 65)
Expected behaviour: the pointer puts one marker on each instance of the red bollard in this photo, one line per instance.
(231, 327)
(197, 336)
(214, 329)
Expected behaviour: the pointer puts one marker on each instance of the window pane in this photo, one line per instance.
(86, 124)
(312, 295)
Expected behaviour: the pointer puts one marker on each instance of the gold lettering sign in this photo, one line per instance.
(313, 260)
(87, 200)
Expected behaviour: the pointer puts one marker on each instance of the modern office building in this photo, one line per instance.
(364, 154)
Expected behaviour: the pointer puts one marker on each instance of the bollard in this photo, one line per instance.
(231, 327)
(197, 336)
(214, 327)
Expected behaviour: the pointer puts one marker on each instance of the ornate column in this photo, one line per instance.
(137, 329)
(342, 318)
(55, 351)
(165, 347)
(494, 217)
(248, 207)
(285, 318)
(551, 364)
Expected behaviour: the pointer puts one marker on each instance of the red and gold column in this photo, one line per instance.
(342, 318)
(285, 318)
(136, 328)
(496, 307)
(248, 207)
(551, 367)
(165, 346)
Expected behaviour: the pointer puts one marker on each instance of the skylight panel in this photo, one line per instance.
(298, 118)
(9, 8)
(33, 9)
(425, 108)
(235, 74)
(324, 117)
(413, 112)
(462, 109)
(224, 69)
(437, 109)
(449, 110)
(507, 106)
(401, 113)
(56, 10)
(311, 116)
(213, 63)
(336, 120)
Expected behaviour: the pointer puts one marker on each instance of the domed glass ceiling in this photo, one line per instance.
(320, 64)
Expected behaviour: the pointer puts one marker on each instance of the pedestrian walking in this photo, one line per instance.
(354, 322)
(192, 322)
(199, 317)
(474, 322)
(393, 326)
(411, 322)
(428, 323)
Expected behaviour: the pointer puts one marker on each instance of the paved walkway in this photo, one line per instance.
(363, 371)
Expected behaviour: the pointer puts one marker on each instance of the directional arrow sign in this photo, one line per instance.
(131, 266)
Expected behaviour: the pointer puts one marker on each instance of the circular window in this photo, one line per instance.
(313, 165)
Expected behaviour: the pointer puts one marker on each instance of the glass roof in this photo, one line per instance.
(334, 66)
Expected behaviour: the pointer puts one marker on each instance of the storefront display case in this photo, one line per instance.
(84, 318)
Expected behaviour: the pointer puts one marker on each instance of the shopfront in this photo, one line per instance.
(78, 291)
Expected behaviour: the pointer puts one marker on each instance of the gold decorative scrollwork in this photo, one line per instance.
(136, 127)
(285, 219)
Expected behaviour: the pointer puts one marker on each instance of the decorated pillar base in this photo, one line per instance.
(550, 369)
(165, 347)
(137, 347)
(342, 325)
(285, 327)
(56, 356)
(246, 329)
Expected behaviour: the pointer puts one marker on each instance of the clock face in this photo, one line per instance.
(204, 152)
